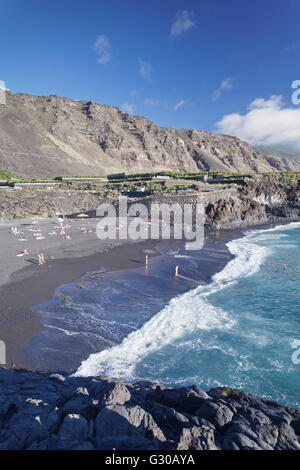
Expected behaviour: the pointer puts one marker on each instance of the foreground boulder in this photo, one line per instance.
(54, 411)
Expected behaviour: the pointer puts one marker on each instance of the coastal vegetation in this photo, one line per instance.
(225, 192)
(9, 177)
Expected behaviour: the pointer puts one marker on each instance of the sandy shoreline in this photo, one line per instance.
(33, 284)
(19, 323)
(24, 284)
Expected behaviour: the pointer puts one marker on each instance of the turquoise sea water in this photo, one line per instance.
(240, 329)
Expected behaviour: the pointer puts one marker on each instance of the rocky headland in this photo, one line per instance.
(265, 199)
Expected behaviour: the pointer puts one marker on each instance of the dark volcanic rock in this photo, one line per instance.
(118, 420)
(118, 393)
(215, 412)
(197, 438)
(57, 412)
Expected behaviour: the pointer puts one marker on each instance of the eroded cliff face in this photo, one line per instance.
(43, 411)
(49, 135)
(263, 200)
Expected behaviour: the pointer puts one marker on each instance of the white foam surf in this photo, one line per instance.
(182, 315)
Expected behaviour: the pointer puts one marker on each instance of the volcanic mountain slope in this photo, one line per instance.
(48, 136)
(287, 154)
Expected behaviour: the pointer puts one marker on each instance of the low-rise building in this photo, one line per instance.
(117, 176)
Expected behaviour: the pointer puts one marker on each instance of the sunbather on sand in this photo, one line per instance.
(23, 253)
(14, 231)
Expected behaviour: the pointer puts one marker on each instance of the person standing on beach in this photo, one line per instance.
(41, 259)
(146, 263)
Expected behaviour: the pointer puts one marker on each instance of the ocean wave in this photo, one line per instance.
(248, 258)
(183, 314)
(289, 226)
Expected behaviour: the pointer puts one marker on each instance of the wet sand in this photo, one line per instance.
(98, 312)
(35, 284)
(23, 283)
(32, 284)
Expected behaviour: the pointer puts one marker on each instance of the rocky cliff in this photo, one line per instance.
(48, 136)
(54, 411)
(264, 200)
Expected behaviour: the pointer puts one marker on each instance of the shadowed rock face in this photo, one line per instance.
(49, 136)
(54, 411)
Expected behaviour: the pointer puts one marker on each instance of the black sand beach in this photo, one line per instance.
(123, 300)
(33, 284)
(23, 283)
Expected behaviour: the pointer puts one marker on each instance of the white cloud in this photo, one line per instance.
(184, 20)
(225, 85)
(266, 122)
(145, 69)
(151, 102)
(102, 47)
(178, 105)
(127, 107)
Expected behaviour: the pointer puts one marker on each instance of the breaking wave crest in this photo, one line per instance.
(183, 314)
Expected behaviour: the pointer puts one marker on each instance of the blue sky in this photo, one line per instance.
(192, 63)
